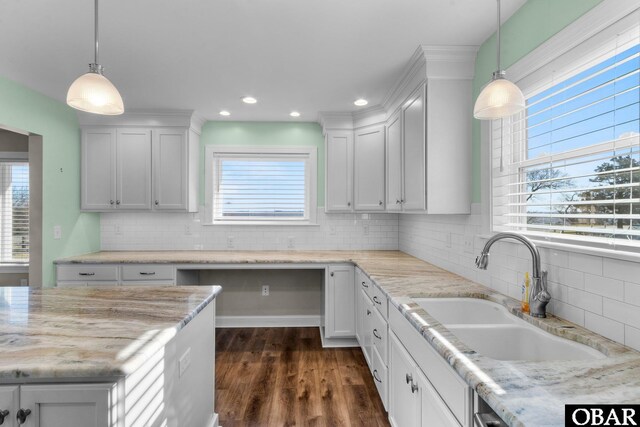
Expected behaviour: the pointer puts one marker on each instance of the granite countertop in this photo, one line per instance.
(523, 393)
(99, 332)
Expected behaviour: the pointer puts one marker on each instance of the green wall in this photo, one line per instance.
(529, 27)
(264, 133)
(27, 110)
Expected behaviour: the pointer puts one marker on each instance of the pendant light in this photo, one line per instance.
(499, 98)
(93, 92)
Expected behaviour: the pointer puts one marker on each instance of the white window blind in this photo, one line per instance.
(14, 212)
(568, 168)
(262, 185)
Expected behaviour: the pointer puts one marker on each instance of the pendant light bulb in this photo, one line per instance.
(500, 98)
(93, 92)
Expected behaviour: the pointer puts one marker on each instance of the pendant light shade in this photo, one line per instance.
(93, 92)
(499, 98)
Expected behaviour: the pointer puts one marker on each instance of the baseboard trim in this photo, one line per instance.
(267, 321)
(337, 342)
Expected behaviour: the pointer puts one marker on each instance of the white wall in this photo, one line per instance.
(597, 292)
(164, 231)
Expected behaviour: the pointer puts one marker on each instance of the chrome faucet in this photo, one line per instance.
(538, 295)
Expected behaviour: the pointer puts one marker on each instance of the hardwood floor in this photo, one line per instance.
(283, 377)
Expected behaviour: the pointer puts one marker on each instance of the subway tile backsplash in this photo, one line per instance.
(184, 231)
(599, 293)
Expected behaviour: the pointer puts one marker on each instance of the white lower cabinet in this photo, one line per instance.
(59, 405)
(404, 397)
(340, 318)
(435, 412)
(79, 275)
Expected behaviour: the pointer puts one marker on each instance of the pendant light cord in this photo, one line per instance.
(498, 36)
(95, 28)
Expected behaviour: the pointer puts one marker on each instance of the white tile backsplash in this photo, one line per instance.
(600, 293)
(184, 231)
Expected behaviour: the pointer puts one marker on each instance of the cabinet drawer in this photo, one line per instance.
(364, 283)
(379, 332)
(448, 384)
(87, 273)
(380, 301)
(380, 377)
(148, 272)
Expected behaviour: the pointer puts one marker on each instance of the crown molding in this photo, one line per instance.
(144, 118)
(335, 120)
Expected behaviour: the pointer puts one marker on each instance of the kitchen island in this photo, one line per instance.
(107, 356)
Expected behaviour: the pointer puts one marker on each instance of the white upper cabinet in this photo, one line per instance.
(98, 178)
(173, 167)
(369, 166)
(413, 158)
(339, 171)
(133, 169)
(394, 164)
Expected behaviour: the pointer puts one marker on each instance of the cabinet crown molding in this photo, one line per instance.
(146, 118)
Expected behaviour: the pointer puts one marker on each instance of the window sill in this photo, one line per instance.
(581, 249)
(265, 223)
(14, 268)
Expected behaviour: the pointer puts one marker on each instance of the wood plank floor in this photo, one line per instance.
(283, 377)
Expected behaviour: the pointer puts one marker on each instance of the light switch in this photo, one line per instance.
(57, 232)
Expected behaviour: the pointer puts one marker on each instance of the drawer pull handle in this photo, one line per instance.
(408, 378)
(368, 312)
(147, 273)
(3, 414)
(87, 274)
(376, 334)
(22, 415)
(376, 300)
(365, 284)
(375, 376)
(414, 387)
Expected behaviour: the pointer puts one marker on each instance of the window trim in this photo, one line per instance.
(591, 32)
(15, 156)
(311, 195)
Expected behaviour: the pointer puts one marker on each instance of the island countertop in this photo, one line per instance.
(523, 393)
(98, 332)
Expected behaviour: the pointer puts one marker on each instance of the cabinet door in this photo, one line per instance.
(413, 162)
(363, 327)
(369, 169)
(340, 318)
(339, 185)
(9, 400)
(359, 309)
(67, 405)
(394, 164)
(170, 169)
(404, 400)
(434, 411)
(133, 169)
(98, 170)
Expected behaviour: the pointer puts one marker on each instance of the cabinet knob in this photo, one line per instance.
(157, 203)
(348, 203)
(22, 415)
(3, 414)
(331, 274)
(380, 203)
(397, 202)
(111, 202)
(368, 312)
(117, 202)
(414, 387)
(408, 378)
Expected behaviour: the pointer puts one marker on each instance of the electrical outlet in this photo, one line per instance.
(118, 229)
(447, 239)
(265, 290)
(57, 232)
(468, 244)
(230, 242)
(187, 229)
(332, 230)
(365, 229)
(364, 216)
(291, 242)
(184, 362)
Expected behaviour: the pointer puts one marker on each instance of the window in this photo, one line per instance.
(568, 168)
(14, 211)
(262, 185)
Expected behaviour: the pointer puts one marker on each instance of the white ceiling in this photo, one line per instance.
(307, 55)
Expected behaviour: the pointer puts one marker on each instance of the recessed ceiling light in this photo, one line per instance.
(360, 102)
(225, 113)
(249, 100)
(294, 114)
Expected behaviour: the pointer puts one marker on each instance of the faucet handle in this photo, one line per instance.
(543, 295)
